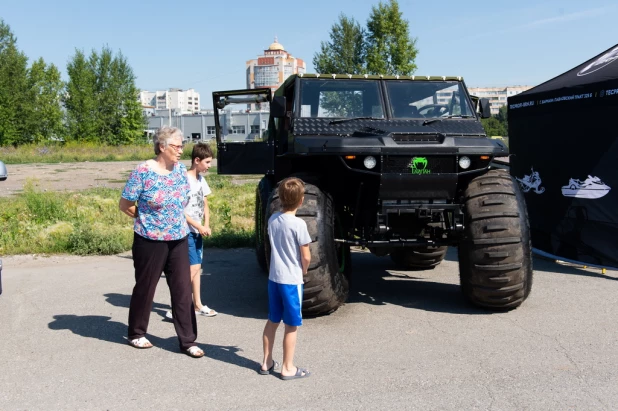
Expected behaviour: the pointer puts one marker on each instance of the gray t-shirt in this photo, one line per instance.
(286, 234)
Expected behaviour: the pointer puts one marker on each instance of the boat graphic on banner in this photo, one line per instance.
(591, 188)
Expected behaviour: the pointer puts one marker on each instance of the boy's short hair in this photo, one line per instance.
(201, 151)
(291, 191)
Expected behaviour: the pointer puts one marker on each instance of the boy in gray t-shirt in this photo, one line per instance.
(289, 261)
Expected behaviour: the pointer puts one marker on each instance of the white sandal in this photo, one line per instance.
(141, 342)
(206, 311)
(195, 352)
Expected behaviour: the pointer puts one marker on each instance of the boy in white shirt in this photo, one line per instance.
(197, 212)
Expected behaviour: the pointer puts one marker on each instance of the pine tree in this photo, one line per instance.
(44, 112)
(132, 121)
(13, 89)
(390, 49)
(384, 47)
(80, 100)
(345, 52)
(103, 89)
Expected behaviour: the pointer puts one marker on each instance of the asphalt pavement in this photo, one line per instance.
(404, 340)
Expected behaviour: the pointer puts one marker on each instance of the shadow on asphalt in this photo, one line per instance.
(233, 284)
(124, 300)
(378, 281)
(546, 264)
(228, 354)
(451, 254)
(101, 328)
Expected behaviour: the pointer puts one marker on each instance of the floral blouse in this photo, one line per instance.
(161, 200)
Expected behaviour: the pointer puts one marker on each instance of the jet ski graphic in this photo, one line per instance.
(591, 188)
(531, 182)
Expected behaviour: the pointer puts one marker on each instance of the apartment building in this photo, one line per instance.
(178, 100)
(497, 95)
(273, 67)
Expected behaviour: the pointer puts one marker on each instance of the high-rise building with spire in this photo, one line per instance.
(273, 67)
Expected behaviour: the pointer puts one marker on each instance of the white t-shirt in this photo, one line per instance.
(195, 206)
(286, 234)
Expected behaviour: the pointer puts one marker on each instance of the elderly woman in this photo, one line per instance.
(155, 196)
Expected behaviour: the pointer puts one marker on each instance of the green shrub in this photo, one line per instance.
(78, 152)
(87, 239)
(43, 207)
(89, 222)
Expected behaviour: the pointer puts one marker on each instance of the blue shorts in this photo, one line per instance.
(285, 302)
(196, 249)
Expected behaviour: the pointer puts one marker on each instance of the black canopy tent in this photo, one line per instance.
(563, 138)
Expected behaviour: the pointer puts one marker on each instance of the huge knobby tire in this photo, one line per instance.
(419, 258)
(262, 192)
(326, 283)
(495, 257)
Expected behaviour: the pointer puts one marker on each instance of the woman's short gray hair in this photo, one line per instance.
(163, 136)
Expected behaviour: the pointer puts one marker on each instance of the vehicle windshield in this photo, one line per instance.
(340, 99)
(428, 99)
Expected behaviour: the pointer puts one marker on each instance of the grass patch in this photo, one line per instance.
(89, 222)
(74, 152)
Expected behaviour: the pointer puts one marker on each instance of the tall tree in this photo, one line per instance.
(44, 112)
(101, 98)
(106, 92)
(345, 52)
(80, 100)
(130, 123)
(390, 49)
(13, 88)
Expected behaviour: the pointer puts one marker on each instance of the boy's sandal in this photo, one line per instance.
(195, 352)
(270, 370)
(141, 342)
(300, 373)
(206, 311)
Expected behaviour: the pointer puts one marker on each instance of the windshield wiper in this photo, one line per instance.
(345, 120)
(433, 120)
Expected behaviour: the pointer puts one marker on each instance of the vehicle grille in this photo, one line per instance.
(403, 138)
(403, 164)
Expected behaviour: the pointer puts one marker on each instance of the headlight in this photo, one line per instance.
(464, 162)
(370, 162)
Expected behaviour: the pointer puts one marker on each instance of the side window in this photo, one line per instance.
(242, 117)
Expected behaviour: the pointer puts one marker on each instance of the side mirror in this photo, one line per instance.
(475, 103)
(4, 174)
(485, 108)
(278, 107)
(221, 103)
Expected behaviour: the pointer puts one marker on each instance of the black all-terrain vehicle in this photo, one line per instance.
(400, 165)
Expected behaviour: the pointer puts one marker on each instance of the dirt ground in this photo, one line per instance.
(67, 176)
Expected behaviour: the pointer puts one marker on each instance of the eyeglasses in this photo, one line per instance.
(175, 147)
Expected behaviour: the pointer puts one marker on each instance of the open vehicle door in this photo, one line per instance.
(244, 145)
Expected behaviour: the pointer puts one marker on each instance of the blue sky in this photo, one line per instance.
(204, 44)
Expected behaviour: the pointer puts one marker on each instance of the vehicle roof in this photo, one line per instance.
(293, 77)
(377, 77)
